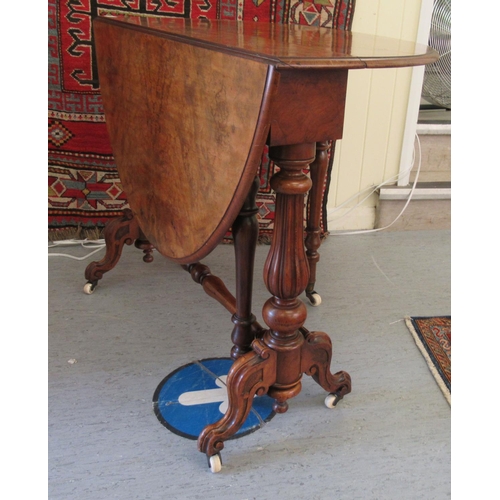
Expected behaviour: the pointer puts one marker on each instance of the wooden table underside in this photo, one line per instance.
(190, 106)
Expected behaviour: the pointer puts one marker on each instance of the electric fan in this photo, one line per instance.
(437, 77)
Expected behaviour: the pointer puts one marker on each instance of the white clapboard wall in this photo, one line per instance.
(375, 120)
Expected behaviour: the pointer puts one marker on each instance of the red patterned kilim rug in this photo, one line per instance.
(85, 190)
(433, 337)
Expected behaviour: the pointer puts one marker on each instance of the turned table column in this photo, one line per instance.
(286, 272)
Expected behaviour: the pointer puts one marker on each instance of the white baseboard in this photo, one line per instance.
(433, 129)
(351, 219)
(428, 191)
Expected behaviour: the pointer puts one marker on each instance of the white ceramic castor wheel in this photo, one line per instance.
(331, 400)
(314, 299)
(215, 463)
(88, 288)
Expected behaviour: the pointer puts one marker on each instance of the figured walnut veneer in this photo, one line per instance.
(187, 151)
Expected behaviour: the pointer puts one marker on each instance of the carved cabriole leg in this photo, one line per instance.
(245, 233)
(316, 359)
(286, 272)
(314, 205)
(251, 374)
(118, 232)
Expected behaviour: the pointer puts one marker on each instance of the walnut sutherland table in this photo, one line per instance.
(190, 105)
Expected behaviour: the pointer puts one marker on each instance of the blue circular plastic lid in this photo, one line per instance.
(195, 395)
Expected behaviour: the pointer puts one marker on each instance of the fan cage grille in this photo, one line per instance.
(437, 78)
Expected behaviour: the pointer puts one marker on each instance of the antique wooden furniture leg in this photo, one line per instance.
(277, 361)
(316, 359)
(286, 275)
(118, 232)
(318, 171)
(245, 233)
(286, 271)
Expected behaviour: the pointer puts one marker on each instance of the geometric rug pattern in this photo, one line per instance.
(84, 188)
(433, 337)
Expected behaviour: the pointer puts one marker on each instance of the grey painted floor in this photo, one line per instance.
(388, 439)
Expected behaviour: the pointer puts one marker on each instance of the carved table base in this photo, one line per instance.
(287, 350)
(121, 231)
(267, 361)
(256, 373)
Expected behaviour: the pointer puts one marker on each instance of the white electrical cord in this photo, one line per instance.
(373, 189)
(100, 245)
(410, 195)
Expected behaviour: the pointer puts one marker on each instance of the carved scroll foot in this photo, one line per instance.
(316, 359)
(121, 231)
(251, 374)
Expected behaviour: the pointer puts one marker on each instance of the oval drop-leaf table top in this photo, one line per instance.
(188, 107)
(290, 44)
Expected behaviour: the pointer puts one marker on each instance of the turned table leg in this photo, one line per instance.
(286, 271)
(318, 170)
(245, 233)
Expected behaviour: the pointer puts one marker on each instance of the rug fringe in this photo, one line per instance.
(76, 233)
(427, 358)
